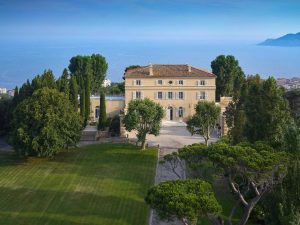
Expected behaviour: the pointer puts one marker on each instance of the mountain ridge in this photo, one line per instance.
(288, 40)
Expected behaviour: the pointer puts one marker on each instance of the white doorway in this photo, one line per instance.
(170, 113)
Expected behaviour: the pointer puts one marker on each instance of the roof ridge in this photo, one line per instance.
(201, 69)
(170, 70)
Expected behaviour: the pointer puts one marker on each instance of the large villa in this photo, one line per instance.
(177, 88)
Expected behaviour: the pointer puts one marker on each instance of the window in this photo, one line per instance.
(180, 95)
(138, 94)
(159, 95)
(138, 82)
(97, 112)
(203, 95)
(180, 82)
(202, 82)
(170, 82)
(180, 112)
(159, 82)
(170, 95)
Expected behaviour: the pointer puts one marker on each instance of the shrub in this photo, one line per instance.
(44, 124)
(114, 128)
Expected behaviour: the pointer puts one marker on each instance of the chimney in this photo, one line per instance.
(189, 68)
(150, 70)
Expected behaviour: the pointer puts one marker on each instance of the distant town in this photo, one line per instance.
(5, 91)
(289, 84)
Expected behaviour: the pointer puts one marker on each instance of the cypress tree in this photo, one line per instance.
(74, 92)
(82, 98)
(63, 85)
(102, 114)
(87, 94)
(16, 92)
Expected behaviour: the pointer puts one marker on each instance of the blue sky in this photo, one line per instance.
(149, 19)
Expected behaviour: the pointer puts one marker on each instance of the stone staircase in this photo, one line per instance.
(89, 133)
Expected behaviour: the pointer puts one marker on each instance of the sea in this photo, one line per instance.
(23, 59)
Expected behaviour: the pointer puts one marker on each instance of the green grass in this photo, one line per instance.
(99, 184)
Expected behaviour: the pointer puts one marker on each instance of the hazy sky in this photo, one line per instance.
(148, 19)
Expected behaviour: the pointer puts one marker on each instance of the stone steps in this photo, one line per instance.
(88, 135)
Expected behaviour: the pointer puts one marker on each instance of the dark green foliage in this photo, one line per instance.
(63, 83)
(144, 116)
(266, 110)
(74, 92)
(90, 72)
(293, 97)
(260, 112)
(87, 87)
(48, 80)
(235, 120)
(204, 119)
(45, 80)
(6, 107)
(131, 67)
(80, 67)
(102, 114)
(16, 96)
(187, 200)
(116, 89)
(229, 74)
(251, 170)
(82, 98)
(99, 68)
(45, 124)
(282, 206)
(25, 91)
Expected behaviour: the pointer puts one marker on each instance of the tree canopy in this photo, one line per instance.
(205, 118)
(259, 113)
(187, 200)
(6, 107)
(99, 68)
(63, 83)
(131, 67)
(248, 168)
(45, 124)
(229, 75)
(90, 72)
(116, 89)
(144, 116)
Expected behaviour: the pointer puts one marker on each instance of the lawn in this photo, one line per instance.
(99, 184)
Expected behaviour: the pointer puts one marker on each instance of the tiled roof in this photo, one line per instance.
(168, 71)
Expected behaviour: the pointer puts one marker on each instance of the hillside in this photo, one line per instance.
(288, 40)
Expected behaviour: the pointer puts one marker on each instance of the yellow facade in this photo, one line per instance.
(113, 106)
(177, 94)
